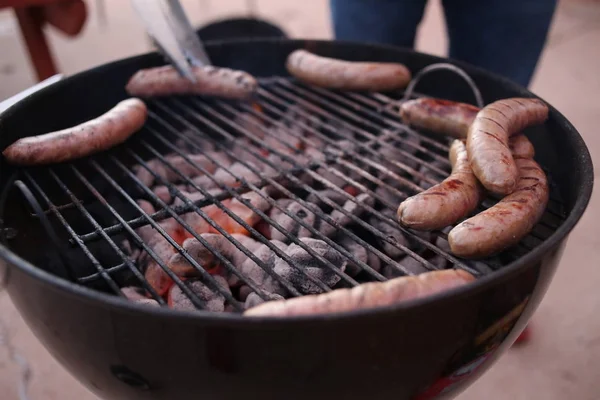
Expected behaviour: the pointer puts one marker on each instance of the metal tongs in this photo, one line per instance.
(168, 26)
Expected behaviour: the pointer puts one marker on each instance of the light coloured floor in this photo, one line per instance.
(561, 361)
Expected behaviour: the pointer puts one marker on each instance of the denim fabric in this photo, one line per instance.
(502, 36)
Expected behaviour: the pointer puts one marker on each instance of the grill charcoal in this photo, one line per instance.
(205, 182)
(225, 176)
(330, 194)
(333, 179)
(146, 206)
(155, 275)
(163, 193)
(391, 232)
(389, 155)
(442, 243)
(148, 302)
(254, 299)
(290, 225)
(409, 263)
(205, 257)
(373, 261)
(259, 275)
(239, 149)
(244, 292)
(186, 168)
(354, 207)
(245, 213)
(214, 301)
(177, 162)
(415, 245)
(282, 141)
(251, 123)
(439, 261)
(188, 143)
(310, 266)
(134, 293)
(428, 172)
(358, 251)
(388, 195)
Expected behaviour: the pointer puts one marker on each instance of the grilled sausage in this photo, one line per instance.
(446, 117)
(447, 202)
(507, 222)
(211, 81)
(487, 140)
(367, 295)
(99, 134)
(521, 147)
(347, 75)
(453, 119)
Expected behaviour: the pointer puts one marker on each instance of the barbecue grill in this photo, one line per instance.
(64, 229)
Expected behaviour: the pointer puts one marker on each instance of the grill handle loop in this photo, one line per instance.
(448, 67)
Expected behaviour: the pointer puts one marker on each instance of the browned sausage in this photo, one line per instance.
(507, 222)
(521, 147)
(452, 118)
(367, 295)
(99, 134)
(447, 202)
(211, 81)
(487, 140)
(440, 116)
(348, 75)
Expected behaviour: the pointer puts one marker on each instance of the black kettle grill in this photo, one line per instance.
(64, 274)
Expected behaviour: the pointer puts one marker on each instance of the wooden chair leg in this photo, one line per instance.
(30, 22)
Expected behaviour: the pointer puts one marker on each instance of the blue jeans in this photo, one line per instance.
(502, 36)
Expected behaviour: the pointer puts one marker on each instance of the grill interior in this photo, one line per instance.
(85, 217)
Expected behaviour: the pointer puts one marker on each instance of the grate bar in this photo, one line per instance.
(185, 289)
(355, 219)
(111, 283)
(235, 242)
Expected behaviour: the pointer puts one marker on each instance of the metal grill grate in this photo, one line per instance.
(86, 199)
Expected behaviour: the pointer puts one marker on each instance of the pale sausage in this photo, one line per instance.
(446, 117)
(447, 202)
(210, 81)
(506, 223)
(347, 75)
(99, 134)
(367, 295)
(487, 140)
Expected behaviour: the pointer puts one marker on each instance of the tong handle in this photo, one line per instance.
(167, 24)
(189, 41)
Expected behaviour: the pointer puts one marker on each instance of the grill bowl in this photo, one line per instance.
(425, 348)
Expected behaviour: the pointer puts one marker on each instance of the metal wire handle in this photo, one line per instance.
(60, 255)
(25, 371)
(449, 67)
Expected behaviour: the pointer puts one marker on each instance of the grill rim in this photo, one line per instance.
(556, 240)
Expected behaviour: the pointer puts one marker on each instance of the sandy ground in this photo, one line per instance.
(561, 360)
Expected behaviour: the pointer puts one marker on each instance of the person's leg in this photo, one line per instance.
(503, 36)
(392, 22)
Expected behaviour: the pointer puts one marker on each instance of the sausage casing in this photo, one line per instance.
(521, 147)
(347, 75)
(446, 117)
(210, 81)
(367, 295)
(99, 134)
(487, 140)
(453, 119)
(506, 223)
(447, 202)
